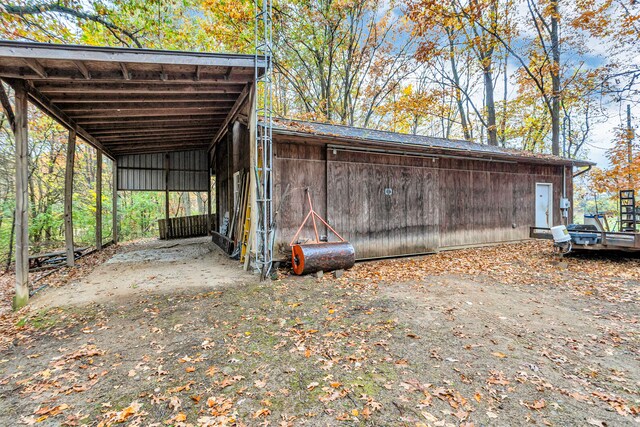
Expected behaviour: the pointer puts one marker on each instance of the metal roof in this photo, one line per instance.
(126, 101)
(414, 142)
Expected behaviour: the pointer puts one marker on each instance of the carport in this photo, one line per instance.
(157, 115)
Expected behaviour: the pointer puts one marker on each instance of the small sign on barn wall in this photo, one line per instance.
(388, 191)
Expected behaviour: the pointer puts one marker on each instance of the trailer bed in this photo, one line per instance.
(609, 240)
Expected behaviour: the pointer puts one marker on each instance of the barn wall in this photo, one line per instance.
(389, 205)
(296, 168)
(231, 155)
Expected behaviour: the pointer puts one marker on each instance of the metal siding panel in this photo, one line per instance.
(145, 172)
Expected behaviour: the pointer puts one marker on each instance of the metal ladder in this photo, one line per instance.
(628, 218)
(263, 118)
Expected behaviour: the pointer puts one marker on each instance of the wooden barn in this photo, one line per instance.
(393, 194)
(175, 121)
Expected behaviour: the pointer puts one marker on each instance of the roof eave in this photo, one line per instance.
(481, 155)
(18, 49)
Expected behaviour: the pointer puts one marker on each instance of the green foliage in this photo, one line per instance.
(138, 211)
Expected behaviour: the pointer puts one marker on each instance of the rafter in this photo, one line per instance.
(234, 110)
(44, 103)
(83, 69)
(125, 71)
(36, 66)
(6, 106)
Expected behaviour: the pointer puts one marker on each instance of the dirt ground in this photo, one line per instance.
(179, 335)
(148, 266)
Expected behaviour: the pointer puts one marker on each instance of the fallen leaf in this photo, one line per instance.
(536, 404)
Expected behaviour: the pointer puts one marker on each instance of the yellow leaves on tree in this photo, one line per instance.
(624, 172)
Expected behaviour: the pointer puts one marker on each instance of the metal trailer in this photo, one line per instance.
(607, 240)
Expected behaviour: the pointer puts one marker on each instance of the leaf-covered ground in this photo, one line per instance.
(507, 335)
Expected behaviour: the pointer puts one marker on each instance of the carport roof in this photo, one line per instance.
(393, 140)
(126, 101)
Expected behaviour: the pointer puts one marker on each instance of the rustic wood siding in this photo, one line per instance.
(231, 155)
(373, 221)
(298, 167)
(434, 203)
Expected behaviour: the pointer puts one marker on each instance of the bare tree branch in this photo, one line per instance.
(58, 8)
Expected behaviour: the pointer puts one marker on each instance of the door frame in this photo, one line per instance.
(535, 204)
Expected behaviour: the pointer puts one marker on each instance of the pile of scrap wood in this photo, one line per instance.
(54, 259)
(233, 235)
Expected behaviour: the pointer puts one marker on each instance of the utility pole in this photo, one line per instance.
(629, 145)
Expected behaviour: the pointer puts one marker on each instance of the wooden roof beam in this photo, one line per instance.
(83, 69)
(167, 112)
(153, 150)
(50, 87)
(125, 120)
(110, 139)
(98, 133)
(125, 71)
(146, 121)
(147, 77)
(92, 98)
(234, 110)
(147, 105)
(184, 144)
(17, 49)
(160, 145)
(36, 66)
(6, 106)
(59, 115)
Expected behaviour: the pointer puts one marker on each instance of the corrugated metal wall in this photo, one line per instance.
(188, 171)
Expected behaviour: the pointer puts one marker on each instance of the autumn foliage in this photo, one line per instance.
(624, 172)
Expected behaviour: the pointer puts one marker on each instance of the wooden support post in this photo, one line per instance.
(68, 198)
(22, 200)
(209, 225)
(253, 198)
(114, 206)
(166, 196)
(99, 200)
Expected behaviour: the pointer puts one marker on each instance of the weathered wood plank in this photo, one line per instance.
(68, 197)
(114, 202)
(99, 200)
(22, 201)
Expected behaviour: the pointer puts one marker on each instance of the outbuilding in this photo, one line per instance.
(393, 194)
(172, 121)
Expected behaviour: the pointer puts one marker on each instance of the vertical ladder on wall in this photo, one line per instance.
(628, 218)
(263, 119)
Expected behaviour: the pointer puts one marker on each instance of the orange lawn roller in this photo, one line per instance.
(310, 257)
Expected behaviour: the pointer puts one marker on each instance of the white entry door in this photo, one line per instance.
(544, 205)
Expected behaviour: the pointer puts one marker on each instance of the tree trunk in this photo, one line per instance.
(492, 130)
(456, 79)
(186, 203)
(555, 80)
(503, 121)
